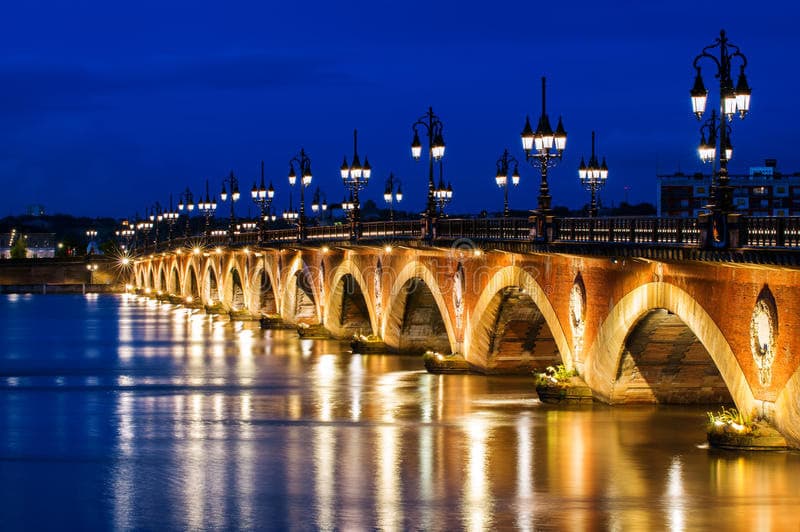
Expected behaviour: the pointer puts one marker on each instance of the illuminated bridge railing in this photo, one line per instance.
(483, 228)
(659, 231)
(754, 233)
(401, 229)
(769, 232)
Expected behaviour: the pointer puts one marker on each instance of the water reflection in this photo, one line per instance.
(184, 421)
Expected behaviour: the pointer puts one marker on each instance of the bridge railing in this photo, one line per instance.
(755, 232)
(483, 228)
(328, 232)
(770, 232)
(400, 229)
(652, 231)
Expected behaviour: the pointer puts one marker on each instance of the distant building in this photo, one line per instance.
(764, 191)
(39, 245)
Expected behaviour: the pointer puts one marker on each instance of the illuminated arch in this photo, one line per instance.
(392, 321)
(233, 288)
(162, 284)
(603, 357)
(175, 284)
(333, 304)
(256, 287)
(480, 323)
(191, 283)
(210, 284)
(289, 295)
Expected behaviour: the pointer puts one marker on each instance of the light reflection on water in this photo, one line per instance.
(164, 418)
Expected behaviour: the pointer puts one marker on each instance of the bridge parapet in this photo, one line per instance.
(759, 239)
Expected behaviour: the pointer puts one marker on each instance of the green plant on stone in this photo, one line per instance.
(555, 376)
(728, 418)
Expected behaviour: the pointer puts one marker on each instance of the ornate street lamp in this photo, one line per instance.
(502, 176)
(144, 227)
(732, 101)
(233, 183)
(207, 206)
(543, 148)
(125, 234)
(300, 164)
(170, 216)
(186, 202)
(348, 205)
(263, 198)
(593, 178)
(355, 177)
(392, 194)
(319, 205)
(155, 218)
(432, 126)
(290, 215)
(442, 195)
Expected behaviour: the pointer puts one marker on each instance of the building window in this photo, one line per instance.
(759, 191)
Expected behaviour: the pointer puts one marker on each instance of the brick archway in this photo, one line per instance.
(393, 318)
(301, 296)
(175, 281)
(263, 290)
(603, 357)
(488, 311)
(211, 284)
(348, 291)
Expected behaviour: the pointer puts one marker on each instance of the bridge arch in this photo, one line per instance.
(151, 281)
(211, 291)
(175, 281)
(513, 326)
(605, 355)
(263, 291)
(416, 301)
(162, 278)
(232, 293)
(349, 308)
(191, 285)
(299, 303)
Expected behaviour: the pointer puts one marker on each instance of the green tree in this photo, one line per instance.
(20, 248)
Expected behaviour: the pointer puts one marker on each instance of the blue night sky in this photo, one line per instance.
(108, 107)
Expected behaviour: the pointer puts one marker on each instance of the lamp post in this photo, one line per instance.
(718, 147)
(125, 233)
(300, 164)
(442, 195)
(91, 268)
(171, 216)
(502, 176)
(155, 218)
(186, 202)
(348, 206)
(144, 226)
(207, 205)
(543, 148)
(319, 204)
(432, 126)
(593, 178)
(390, 194)
(232, 182)
(290, 215)
(263, 198)
(355, 177)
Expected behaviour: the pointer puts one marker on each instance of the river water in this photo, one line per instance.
(122, 413)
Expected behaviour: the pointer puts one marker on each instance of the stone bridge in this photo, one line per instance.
(642, 328)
